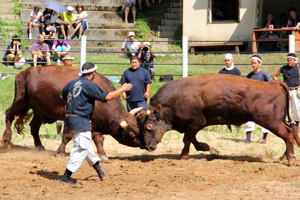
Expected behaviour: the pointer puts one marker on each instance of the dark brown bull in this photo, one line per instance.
(39, 89)
(190, 104)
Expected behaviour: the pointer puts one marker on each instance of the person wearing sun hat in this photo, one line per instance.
(80, 95)
(68, 21)
(131, 46)
(260, 75)
(229, 66)
(291, 77)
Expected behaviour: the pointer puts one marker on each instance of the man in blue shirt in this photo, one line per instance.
(259, 75)
(141, 82)
(80, 95)
(229, 66)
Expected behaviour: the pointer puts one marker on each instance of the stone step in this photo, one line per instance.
(172, 15)
(167, 28)
(87, 7)
(171, 22)
(95, 34)
(101, 25)
(7, 4)
(94, 17)
(174, 10)
(7, 17)
(85, 2)
(167, 34)
(176, 5)
(6, 10)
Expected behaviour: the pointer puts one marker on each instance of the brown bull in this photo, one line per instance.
(190, 104)
(38, 89)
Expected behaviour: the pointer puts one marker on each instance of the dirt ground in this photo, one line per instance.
(241, 171)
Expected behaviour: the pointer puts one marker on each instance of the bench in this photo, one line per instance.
(236, 45)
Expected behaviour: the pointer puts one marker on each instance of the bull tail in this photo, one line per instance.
(290, 123)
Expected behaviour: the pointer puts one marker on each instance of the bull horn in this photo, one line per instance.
(123, 124)
(136, 110)
(148, 112)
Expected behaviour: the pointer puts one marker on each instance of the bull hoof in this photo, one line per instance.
(214, 151)
(184, 157)
(40, 148)
(104, 159)
(281, 158)
(291, 160)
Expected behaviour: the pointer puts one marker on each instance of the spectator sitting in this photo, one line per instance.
(131, 46)
(40, 51)
(68, 60)
(229, 66)
(54, 20)
(147, 58)
(34, 20)
(81, 21)
(68, 21)
(60, 48)
(49, 33)
(13, 52)
(46, 16)
(130, 4)
(270, 45)
(269, 21)
(293, 18)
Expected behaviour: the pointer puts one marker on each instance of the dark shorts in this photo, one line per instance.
(129, 5)
(135, 104)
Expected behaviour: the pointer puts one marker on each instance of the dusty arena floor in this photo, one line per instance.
(240, 172)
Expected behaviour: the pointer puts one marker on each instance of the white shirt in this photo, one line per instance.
(131, 46)
(82, 15)
(35, 16)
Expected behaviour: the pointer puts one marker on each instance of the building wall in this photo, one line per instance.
(196, 25)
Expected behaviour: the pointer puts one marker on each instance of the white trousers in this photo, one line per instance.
(250, 126)
(294, 105)
(82, 149)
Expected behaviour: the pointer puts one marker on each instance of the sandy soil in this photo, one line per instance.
(240, 172)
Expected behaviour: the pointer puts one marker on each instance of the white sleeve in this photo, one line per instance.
(124, 44)
(31, 14)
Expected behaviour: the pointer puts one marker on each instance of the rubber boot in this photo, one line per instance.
(264, 139)
(297, 123)
(59, 126)
(248, 137)
(66, 177)
(99, 171)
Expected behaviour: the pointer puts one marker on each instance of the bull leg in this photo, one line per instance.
(201, 146)
(187, 140)
(6, 138)
(61, 151)
(35, 125)
(98, 140)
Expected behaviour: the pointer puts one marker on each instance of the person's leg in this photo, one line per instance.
(133, 13)
(11, 59)
(34, 59)
(140, 4)
(30, 30)
(295, 106)
(59, 127)
(47, 58)
(62, 28)
(69, 32)
(126, 14)
(249, 127)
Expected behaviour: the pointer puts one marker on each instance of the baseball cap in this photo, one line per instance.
(228, 56)
(131, 34)
(70, 8)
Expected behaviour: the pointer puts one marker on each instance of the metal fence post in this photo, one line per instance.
(291, 43)
(185, 43)
(83, 50)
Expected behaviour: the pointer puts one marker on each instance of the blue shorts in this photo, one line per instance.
(61, 48)
(135, 104)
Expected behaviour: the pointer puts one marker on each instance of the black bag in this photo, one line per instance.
(166, 78)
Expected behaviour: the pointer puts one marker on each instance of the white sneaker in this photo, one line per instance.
(58, 62)
(30, 36)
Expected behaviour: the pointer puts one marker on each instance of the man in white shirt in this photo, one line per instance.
(34, 20)
(131, 46)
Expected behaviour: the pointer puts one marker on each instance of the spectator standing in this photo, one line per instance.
(130, 4)
(293, 18)
(140, 3)
(141, 82)
(13, 52)
(291, 77)
(81, 21)
(40, 51)
(34, 20)
(260, 75)
(68, 21)
(60, 48)
(146, 57)
(229, 66)
(131, 46)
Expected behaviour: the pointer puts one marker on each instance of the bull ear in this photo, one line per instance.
(159, 108)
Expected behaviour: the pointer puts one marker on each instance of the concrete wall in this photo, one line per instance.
(196, 25)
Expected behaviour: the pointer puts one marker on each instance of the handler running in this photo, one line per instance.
(80, 95)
